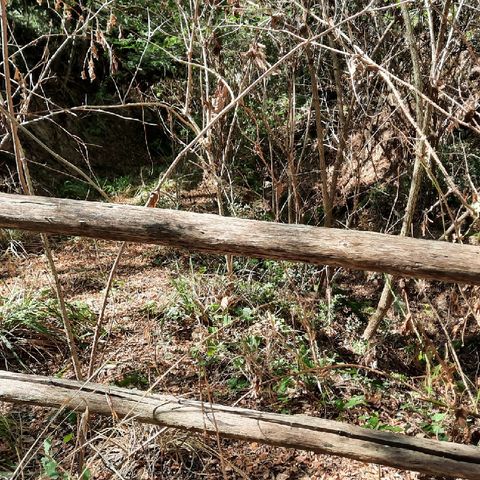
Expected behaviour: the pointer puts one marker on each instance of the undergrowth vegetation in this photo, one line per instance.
(32, 326)
(269, 336)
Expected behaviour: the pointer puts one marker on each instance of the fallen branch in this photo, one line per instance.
(221, 235)
(293, 431)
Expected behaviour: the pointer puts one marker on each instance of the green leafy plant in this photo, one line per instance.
(51, 468)
(135, 379)
(355, 401)
(238, 383)
(373, 422)
(435, 426)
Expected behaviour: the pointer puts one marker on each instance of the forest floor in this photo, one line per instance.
(163, 307)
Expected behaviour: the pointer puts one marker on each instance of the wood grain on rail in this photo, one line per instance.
(226, 235)
(293, 431)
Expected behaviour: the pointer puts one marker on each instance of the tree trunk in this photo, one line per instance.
(423, 119)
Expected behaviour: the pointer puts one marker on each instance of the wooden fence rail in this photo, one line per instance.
(294, 431)
(224, 235)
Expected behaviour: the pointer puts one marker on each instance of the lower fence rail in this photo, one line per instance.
(292, 431)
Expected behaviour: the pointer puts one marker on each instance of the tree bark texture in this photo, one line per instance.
(293, 431)
(251, 238)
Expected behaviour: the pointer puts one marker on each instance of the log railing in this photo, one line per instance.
(294, 431)
(223, 235)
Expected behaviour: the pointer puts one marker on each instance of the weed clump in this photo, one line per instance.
(32, 327)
